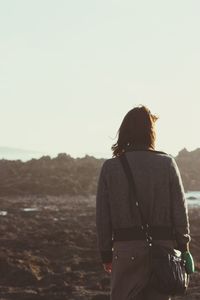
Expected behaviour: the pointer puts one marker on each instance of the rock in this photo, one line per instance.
(41, 259)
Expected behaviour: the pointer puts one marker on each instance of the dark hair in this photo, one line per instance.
(137, 129)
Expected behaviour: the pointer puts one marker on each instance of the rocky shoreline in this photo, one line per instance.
(48, 250)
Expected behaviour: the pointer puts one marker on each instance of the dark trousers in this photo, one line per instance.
(131, 270)
(149, 294)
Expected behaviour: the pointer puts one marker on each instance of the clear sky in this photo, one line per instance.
(71, 70)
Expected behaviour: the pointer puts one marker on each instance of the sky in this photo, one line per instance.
(71, 70)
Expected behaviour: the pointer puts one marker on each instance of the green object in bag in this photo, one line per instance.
(189, 262)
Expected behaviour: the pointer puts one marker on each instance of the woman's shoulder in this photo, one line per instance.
(160, 155)
(163, 156)
(144, 152)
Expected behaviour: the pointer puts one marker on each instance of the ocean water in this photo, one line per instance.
(193, 198)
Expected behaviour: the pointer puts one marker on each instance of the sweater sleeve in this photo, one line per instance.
(103, 218)
(179, 208)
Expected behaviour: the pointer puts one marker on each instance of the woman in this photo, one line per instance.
(162, 200)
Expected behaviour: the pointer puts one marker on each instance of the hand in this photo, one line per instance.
(108, 267)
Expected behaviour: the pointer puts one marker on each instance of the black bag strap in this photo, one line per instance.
(133, 192)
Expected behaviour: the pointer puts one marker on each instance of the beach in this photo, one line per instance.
(48, 249)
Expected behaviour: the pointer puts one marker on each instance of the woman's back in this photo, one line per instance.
(159, 190)
(151, 171)
(156, 181)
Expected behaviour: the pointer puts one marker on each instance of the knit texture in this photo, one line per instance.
(159, 185)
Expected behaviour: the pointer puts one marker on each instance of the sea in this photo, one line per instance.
(193, 198)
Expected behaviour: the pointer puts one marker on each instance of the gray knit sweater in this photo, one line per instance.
(158, 181)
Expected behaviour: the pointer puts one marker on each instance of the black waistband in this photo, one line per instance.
(136, 233)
